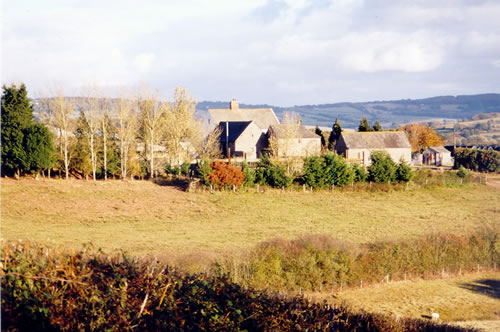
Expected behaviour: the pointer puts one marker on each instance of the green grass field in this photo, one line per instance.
(144, 218)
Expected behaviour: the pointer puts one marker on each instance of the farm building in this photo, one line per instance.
(358, 146)
(293, 140)
(262, 117)
(435, 155)
(242, 138)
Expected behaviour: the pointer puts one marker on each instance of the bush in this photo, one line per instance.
(225, 176)
(46, 291)
(462, 172)
(359, 173)
(306, 263)
(203, 171)
(382, 168)
(172, 169)
(477, 160)
(404, 172)
(249, 174)
(273, 175)
(343, 173)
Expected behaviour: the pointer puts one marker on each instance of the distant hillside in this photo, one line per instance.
(390, 113)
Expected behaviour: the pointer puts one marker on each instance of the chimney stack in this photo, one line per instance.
(233, 104)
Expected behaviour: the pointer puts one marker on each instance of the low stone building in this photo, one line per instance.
(293, 140)
(358, 146)
(436, 156)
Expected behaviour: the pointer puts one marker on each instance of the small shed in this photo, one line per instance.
(358, 146)
(437, 156)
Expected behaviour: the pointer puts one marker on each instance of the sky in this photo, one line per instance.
(277, 52)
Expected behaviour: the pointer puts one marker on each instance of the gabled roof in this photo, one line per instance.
(262, 117)
(376, 140)
(236, 128)
(438, 149)
(280, 131)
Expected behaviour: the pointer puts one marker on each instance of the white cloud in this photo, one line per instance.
(391, 51)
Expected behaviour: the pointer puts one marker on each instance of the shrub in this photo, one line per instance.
(404, 172)
(185, 168)
(44, 291)
(273, 175)
(315, 172)
(343, 173)
(172, 169)
(477, 160)
(249, 174)
(382, 168)
(359, 173)
(203, 171)
(224, 175)
(462, 172)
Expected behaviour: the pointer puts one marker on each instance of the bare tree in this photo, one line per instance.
(207, 146)
(152, 115)
(104, 119)
(59, 115)
(180, 125)
(91, 108)
(282, 141)
(125, 113)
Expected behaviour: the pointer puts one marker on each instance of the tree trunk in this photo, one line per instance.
(93, 156)
(104, 133)
(152, 157)
(66, 161)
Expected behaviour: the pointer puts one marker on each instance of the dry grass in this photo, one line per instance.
(471, 297)
(145, 218)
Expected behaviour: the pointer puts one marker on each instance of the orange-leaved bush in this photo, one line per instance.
(226, 175)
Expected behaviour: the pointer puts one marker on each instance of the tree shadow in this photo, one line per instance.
(176, 183)
(488, 287)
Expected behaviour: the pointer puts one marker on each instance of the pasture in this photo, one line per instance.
(143, 218)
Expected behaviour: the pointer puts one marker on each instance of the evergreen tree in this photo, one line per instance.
(336, 131)
(17, 115)
(38, 147)
(318, 132)
(382, 168)
(404, 173)
(364, 125)
(377, 126)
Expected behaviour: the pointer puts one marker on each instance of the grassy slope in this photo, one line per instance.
(471, 297)
(142, 217)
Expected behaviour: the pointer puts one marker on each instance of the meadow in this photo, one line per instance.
(144, 218)
(193, 230)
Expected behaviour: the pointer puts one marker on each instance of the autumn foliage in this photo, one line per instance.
(421, 137)
(224, 175)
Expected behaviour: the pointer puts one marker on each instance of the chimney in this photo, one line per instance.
(233, 104)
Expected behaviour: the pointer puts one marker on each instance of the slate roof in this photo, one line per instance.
(376, 140)
(262, 117)
(279, 130)
(236, 128)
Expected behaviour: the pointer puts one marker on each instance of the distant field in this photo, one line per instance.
(144, 218)
(471, 297)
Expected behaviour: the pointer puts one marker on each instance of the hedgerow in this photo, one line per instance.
(47, 291)
(477, 160)
(307, 263)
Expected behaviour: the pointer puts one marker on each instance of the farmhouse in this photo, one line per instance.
(293, 140)
(262, 117)
(242, 138)
(358, 146)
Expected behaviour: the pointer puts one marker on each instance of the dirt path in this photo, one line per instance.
(493, 181)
